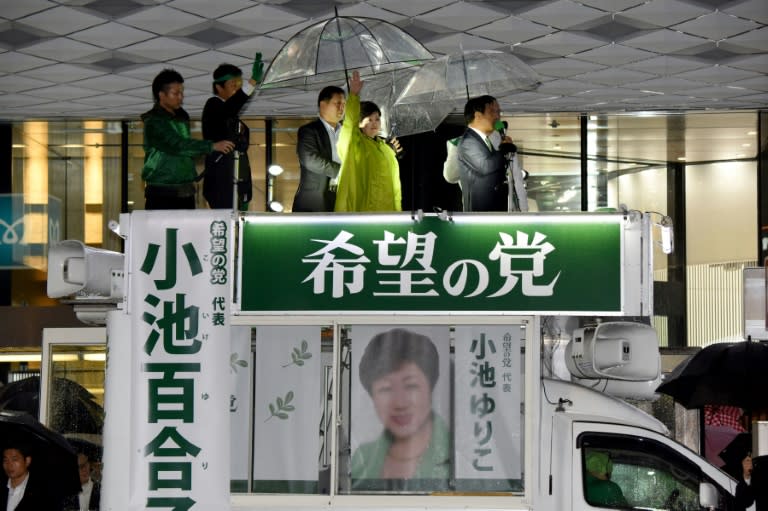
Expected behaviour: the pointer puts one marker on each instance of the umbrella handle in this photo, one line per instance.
(466, 78)
(341, 46)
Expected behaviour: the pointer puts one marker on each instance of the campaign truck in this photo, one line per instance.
(382, 361)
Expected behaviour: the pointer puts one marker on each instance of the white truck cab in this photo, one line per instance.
(651, 469)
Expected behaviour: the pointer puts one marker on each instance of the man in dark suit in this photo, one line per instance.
(738, 464)
(23, 491)
(482, 168)
(318, 158)
(90, 494)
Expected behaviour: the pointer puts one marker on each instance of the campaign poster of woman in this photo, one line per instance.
(400, 413)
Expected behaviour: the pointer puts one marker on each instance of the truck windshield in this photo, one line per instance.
(626, 472)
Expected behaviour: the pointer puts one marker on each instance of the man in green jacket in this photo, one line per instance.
(169, 169)
(601, 491)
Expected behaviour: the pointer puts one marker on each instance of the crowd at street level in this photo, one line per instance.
(28, 489)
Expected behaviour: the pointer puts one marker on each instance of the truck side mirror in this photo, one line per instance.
(708, 496)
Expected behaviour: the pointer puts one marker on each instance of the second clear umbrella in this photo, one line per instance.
(400, 119)
(455, 78)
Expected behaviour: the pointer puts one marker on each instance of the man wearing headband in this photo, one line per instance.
(221, 121)
(169, 169)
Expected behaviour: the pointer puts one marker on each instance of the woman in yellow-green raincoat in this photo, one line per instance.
(369, 179)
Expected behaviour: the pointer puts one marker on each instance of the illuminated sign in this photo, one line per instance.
(381, 263)
(26, 230)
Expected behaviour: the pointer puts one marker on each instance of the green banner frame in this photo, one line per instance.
(388, 263)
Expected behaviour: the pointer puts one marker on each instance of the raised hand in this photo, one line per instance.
(355, 83)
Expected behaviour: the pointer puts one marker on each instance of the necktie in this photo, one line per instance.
(488, 143)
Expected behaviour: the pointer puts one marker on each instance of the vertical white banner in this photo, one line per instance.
(401, 412)
(240, 371)
(179, 288)
(117, 413)
(488, 392)
(287, 408)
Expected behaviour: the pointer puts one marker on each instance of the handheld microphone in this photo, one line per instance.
(390, 141)
(506, 147)
(501, 127)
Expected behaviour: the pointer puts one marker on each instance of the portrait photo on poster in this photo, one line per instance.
(400, 433)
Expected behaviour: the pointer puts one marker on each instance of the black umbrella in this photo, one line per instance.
(730, 373)
(53, 459)
(72, 408)
(93, 450)
(734, 454)
(735, 451)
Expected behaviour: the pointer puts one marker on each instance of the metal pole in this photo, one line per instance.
(510, 186)
(236, 171)
(267, 159)
(583, 124)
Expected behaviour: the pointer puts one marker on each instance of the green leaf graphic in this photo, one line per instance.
(280, 407)
(299, 355)
(235, 361)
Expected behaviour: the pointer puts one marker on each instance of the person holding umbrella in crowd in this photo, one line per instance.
(222, 122)
(370, 174)
(23, 491)
(750, 493)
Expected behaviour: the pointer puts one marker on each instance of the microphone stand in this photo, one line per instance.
(236, 171)
(510, 184)
(512, 205)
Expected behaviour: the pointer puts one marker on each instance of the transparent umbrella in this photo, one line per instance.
(455, 78)
(400, 119)
(324, 52)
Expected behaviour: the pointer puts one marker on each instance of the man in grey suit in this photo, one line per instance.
(318, 158)
(482, 167)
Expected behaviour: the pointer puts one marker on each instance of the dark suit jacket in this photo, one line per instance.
(220, 122)
(36, 497)
(317, 169)
(482, 173)
(72, 503)
(745, 494)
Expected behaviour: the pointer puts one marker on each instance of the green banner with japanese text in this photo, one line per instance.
(468, 263)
